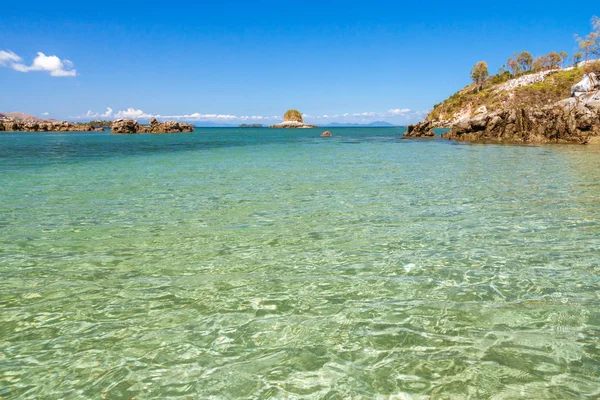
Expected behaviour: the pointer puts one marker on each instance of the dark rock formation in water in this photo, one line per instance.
(129, 126)
(572, 120)
(326, 134)
(420, 130)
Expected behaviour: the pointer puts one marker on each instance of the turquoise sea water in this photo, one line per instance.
(255, 263)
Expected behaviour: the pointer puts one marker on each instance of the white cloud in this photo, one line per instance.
(7, 57)
(397, 115)
(131, 113)
(45, 114)
(405, 113)
(52, 64)
(90, 114)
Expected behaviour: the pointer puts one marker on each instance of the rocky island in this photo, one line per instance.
(129, 126)
(15, 122)
(18, 122)
(292, 119)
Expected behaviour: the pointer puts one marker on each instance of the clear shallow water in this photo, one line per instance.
(276, 264)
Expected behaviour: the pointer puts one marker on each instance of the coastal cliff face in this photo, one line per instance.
(572, 120)
(129, 126)
(558, 106)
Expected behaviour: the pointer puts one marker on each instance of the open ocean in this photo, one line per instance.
(257, 263)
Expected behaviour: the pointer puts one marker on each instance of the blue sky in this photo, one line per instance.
(350, 61)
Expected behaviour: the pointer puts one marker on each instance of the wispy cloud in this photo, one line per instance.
(52, 64)
(395, 114)
(8, 58)
(90, 114)
(132, 113)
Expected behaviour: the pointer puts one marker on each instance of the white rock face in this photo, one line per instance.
(481, 110)
(589, 83)
(526, 80)
(293, 124)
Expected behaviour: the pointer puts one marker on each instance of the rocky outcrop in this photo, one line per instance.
(564, 122)
(587, 89)
(125, 126)
(420, 130)
(292, 124)
(13, 125)
(326, 134)
(293, 119)
(129, 126)
(572, 120)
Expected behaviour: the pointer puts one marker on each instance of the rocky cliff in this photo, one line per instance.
(559, 106)
(572, 120)
(128, 126)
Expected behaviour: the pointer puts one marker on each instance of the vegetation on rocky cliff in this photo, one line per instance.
(293, 115)
(523, 81)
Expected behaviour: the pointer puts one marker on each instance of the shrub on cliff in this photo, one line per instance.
(293, 115)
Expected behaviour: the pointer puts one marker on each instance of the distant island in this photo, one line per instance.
(529, 100)
(375, 124)
(251, 126)
(292, 119)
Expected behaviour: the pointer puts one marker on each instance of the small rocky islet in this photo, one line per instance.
(523, 110)
(292, 119)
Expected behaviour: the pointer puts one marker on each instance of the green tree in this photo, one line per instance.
(513, 66)
(479, 74)
(563, 58)
(577, 58)
(525, 61)
(591, 44)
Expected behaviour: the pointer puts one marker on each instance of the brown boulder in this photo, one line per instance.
(124, 126)
(420, 130)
